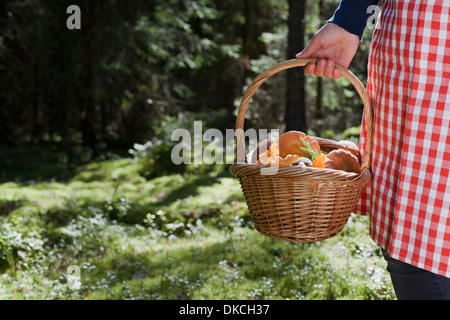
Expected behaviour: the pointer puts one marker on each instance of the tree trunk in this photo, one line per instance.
(87, 102)
(295, 116)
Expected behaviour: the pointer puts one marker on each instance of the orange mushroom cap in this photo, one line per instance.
(262, 147)
(350, 146)
(290, 143)
(271, 157)
(341, 159)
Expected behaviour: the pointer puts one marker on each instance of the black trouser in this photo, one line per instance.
(412, 283)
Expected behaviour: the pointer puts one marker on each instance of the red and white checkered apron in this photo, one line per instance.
(408, 83)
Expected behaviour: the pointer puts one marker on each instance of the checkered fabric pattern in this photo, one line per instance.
(408, 83)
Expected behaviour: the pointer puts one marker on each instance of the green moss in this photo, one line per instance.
(180, 236)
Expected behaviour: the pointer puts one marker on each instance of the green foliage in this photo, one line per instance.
(179, 236)
(157, 160)
(130, 65)
(328, 134)
(352, 132)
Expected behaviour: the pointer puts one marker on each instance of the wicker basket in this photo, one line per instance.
(301, 204)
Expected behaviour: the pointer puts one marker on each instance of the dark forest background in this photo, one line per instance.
(136, 70)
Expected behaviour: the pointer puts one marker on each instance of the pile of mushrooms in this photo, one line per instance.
(295, 148)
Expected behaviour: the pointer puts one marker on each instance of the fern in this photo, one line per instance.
(307, 148)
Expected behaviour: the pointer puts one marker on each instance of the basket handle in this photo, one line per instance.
(368, 110)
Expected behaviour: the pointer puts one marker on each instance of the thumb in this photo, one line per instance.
(309, 50)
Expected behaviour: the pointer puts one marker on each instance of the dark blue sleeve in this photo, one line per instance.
(352, 15)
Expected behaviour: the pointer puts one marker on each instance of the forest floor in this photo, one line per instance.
(101, 230)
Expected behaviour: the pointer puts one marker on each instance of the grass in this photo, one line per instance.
(177, 236)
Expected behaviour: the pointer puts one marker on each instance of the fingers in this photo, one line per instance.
(323, 67)
(337, 73)
(329, 69)
(310, 68)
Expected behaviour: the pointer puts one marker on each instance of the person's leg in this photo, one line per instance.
(412, 283)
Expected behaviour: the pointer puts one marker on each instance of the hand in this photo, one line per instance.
(331, 44)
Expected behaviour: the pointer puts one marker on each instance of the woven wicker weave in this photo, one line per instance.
(301, 204)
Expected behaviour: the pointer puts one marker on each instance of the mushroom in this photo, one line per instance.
(341, 159)
(286, 161)
(252, 156)
(350, 146)
(290, 143)
(271, 157)
(303, 161)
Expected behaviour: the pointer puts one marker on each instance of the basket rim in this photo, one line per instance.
(302, 173)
